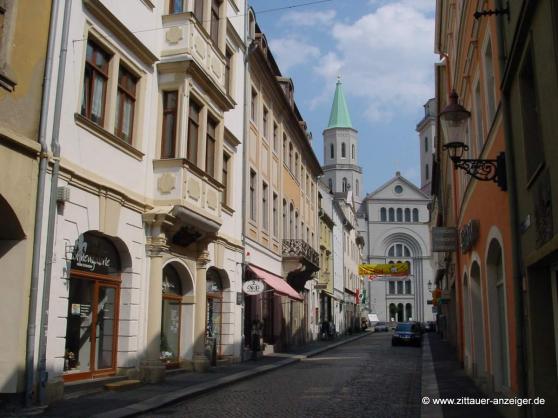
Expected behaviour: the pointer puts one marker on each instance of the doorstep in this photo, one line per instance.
(85, 387)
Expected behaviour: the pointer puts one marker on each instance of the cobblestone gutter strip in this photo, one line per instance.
(429, 384)
(180, 395)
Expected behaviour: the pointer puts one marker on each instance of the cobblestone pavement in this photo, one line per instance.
(365, 378)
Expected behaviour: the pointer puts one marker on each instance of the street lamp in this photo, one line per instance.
(429, 285)
(453, 120)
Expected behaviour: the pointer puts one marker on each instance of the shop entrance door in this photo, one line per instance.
(91, 330)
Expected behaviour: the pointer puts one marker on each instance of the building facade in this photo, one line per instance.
(399, 232)
(22, 70)
(426, 129)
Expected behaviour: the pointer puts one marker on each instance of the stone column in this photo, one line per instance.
(152, 369)
(200, 360)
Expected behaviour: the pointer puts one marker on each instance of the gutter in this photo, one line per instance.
(39, 208)
(55, 145)
(517, 253)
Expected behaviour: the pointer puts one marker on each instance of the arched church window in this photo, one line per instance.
(415, 215)
(391, 215)
(331, 151)
(356, 187)
(353, 151)
(383, 215)
(343, 150)
(345, 184)
(407, 215)
(330, 184)
(399, 215)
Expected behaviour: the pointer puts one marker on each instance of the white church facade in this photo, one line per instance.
(397, 224)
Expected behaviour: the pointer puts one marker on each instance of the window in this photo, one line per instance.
(489, 81)
(398, 189)
(407, 215)
(125, 103)
(210, 146)
(285, 230)
(193, 132)
(295, 235)
(478, 120)
(252, 195)
(391, 215)
(296, 170)
(225, 177)
(331, 150)
(399, 287)
(254, 105)
(427, 172)
(399, 215)
(170, 106)
(285, 148)
(383, 215)
(198, 10)
(275, 137)
(343, 150)
(265, 208)
(291, 156)
(265, 120)
(425, 144)
(95, 83)
(345, 184)
(391, 288)
(415, 215)
(408, 287)
(176, 6)
(356, 187)
(275, 215)
(533, 147)
(214, 29)
(228, 71)
(330, 184)
(353, 151)
(291, 222)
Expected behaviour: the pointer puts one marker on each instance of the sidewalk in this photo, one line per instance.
(443, 378)
(179, 386)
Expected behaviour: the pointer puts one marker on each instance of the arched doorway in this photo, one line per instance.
(477, 320)
(171, 317)
(399, 312)
(408, 312)
(93, 308)
(214, 311)
(392, 312)
(497, 306)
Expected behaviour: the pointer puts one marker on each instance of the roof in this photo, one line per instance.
(339, 117)
(397, 177)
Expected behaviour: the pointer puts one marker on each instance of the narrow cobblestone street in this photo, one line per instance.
(365, 378)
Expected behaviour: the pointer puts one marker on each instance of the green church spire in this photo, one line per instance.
(339, 117)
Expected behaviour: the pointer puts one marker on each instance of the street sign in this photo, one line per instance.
(253, 287)
(444, 239)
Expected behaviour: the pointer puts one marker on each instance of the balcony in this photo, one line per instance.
(195, 195)
(185, 40)
(300, 262)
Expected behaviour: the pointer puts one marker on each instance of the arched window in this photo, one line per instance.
(353, 151)
(391, 288)
(399, 215)
(383, 215)
(392, 312)
(343, 150)
(408, 312)
(391, 215)
(171, 316)
(407, 215)
(399, 312)
(214, 295)
(356, 187)
(399, 287)
(415, 215)
(331, 151)
(296, 236)
(425, 144)
(407, 287)
(291, 222)
(330, 184)
(345, 184)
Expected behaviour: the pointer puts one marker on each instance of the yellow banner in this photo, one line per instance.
(397, 269)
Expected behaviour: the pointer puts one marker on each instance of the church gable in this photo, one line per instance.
(398, 188)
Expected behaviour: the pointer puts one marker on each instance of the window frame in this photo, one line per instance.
(95, 71)
(122, 90)
(166, 113)
(211, 145)
(191, 141)
(225, 178)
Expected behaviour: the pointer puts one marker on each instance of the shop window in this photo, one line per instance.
(171, 317)
(214, 292)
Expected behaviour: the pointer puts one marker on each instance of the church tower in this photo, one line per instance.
(341, 170)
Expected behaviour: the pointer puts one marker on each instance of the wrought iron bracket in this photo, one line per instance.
(505, 11)
(485, 170)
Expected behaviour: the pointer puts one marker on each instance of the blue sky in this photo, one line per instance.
(383, 50)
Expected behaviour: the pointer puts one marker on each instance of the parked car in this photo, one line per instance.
(407, 333)
(380, 327)
(430, 326)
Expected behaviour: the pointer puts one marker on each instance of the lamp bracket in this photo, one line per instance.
(485, 170)
(490, 12)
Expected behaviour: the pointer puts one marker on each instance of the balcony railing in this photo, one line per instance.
(300, 248)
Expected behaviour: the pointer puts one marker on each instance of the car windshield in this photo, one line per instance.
(380, 323)
(404, 327)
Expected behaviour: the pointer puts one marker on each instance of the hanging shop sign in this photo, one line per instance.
(379, 270)
(253, 287)
(469, 235)
(444, 239)
(95, 254)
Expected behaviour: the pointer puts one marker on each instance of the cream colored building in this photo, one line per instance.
(24, 23)
(146, 260)
(281, 221)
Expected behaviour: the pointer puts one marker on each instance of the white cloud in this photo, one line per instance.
(290, 52)
(308, 18)
(385, 58)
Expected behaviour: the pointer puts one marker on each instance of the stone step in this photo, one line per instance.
(123, 385)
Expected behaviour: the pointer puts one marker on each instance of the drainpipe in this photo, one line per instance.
(55, 145)
(517, 252)
(39, 207)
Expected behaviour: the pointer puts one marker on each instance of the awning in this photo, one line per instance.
(277, 283)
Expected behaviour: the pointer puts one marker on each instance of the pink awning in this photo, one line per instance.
(277, 283)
